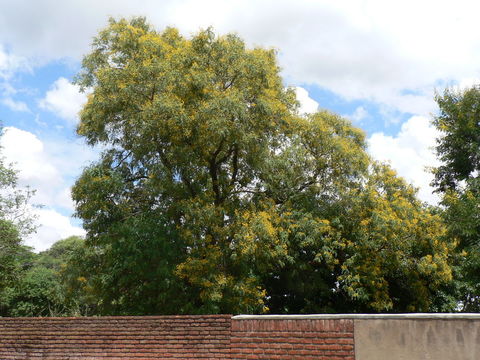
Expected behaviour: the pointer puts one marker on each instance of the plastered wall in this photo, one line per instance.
(438, 338)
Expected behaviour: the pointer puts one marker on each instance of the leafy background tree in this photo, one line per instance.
(457, 180)
(15, 221)
(40, 287)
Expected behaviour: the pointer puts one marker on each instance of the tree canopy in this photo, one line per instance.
(458, 147)
(43, 285)
(213, 194)
(457, 179)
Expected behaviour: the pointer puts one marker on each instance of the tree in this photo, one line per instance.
(43, 285)
(15, 221)
(129, 274)
(380, 250)
(37, 293)
(458, 149)
(211, 185)
(9, 246)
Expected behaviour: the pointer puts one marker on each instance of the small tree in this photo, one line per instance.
(15, 221)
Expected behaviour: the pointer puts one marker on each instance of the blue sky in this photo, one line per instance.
(375, 62)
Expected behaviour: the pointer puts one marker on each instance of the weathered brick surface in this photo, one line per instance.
(174, 337)
(292, 339)
(139, 338)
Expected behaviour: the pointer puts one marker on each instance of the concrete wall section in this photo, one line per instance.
(417, 339)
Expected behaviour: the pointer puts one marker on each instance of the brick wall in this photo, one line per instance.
(328, 336)
(179, 337)
(292, 339)
(114, 338)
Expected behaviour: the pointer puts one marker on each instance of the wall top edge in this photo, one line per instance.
(444, 316)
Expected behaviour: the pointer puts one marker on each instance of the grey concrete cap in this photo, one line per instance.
(410, 316)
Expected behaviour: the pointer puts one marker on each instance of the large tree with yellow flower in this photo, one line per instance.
(213, 194)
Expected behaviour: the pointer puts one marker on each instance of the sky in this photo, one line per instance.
(378, 63)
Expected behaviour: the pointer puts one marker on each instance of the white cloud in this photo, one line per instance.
(64, 99)
(410, 153)
(49, 167)
(468, 83)
(307, 104)
(15, 105)
(54, 227)
(10, 63)
(35, 168)
(358, 115)
(46, 166)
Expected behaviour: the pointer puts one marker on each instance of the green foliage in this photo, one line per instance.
(39, 288)
(9, 247)
(15, 221)
(131, 275)
(214, 195)
(398, 252)
(37, 293)
(461, 216)
(457, 179)
(458, 147)
(377, 249)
